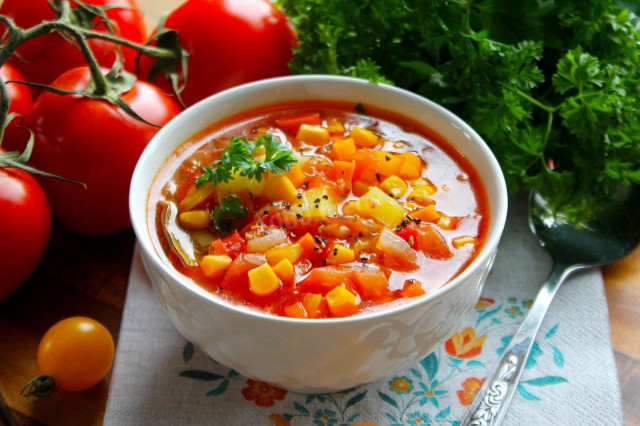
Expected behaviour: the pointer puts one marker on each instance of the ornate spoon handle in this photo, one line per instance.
(492, 401)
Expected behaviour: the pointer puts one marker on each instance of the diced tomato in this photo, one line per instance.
(367, 166)
(236, 274)
(432, 243)
(408, 233)
(372, 283)
(232, 245)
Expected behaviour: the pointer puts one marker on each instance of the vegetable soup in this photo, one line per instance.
(318, 210)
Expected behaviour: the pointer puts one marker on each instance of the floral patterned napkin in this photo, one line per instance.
(159, 378)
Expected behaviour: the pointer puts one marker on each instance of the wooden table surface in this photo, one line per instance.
(88, 276)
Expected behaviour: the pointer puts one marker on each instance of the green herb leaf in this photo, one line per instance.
(240, 156)
(228, 214)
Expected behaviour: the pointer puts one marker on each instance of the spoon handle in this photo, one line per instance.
(492, 401)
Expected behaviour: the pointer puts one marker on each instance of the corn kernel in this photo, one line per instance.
(292, 252)
(214, 265)
(279, 187)
(312, 303)
(462, 241)
(335, 126)
(394, 186)
(285, 270)
(340, 254)
(313, 135)
(195, 219)
(422, 195)
(363, 137)
(341, 302)
(263, 280)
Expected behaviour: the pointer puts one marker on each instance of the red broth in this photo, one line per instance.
(378, 210)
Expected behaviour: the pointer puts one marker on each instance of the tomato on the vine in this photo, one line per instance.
(21, 102)
(96, 143)
(42, 59)
(25, 225)
(229, 42)
(76, 353)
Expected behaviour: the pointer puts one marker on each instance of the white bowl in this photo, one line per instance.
(324, 355)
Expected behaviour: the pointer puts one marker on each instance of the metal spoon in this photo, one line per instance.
(606, 236)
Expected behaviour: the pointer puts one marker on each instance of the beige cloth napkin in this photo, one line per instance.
(161, 379)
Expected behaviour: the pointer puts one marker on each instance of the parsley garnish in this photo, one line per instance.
(227, 215)
(238, 156)
(552, 86)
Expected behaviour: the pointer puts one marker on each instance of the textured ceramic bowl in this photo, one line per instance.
(315, 356)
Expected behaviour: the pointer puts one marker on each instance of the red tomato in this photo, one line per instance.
(25, 225)
(21, 103)
(230, 42)
(96, 143)
(45, 58)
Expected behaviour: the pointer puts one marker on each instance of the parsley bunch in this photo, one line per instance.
(240, 156)
(553, 86)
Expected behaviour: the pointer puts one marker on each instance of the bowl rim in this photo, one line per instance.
(497, 208)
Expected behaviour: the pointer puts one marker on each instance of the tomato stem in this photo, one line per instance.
(40, 387)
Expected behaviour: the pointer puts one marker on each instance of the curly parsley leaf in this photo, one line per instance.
(227, 215)
(240, 156)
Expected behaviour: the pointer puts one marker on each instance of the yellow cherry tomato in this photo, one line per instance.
(77, 353)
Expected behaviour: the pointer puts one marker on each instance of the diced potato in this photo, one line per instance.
(195, 219)
(239, 183)
(313, 135)
(196, 195)
(364, 138)
(422, 195)
(214, 265)
(343, 149)
(285, 270)
(394, 186)
(341, 302)
(318, 201)
(292, 252)
(381, 207)
(279, 187)
(263, 280)
(335, 126)
(340, 254)
(463, 241)
(410, 166)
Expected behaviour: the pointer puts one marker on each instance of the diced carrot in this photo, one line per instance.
(410, 166)
(367, 166)
(341, 302)
(413, 289)
(325, 278)
(292, 124)
(427, 214)
(343, 149)
(372, 283)
(232, 245)
(295, 310)
(389, 163)
(341, 172)
(432, 243)
(308, 243)
(296, 176)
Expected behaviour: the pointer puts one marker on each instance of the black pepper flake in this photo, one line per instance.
(404, 222)
(416, 220)
(299, 196)
(341, 219)
(298, 215)
(251, 195)
(273, 203)
(379, 177)
(305, 185)
(265, 212)
(386, 157)
(317, 206)
(317, 239)
(325, 196)
(316, 249)
(364, 259)
(412, 280)
(324, 261)
(287, 206)
(316, 201)
(398, 228)
(335, 251)
(299, 205)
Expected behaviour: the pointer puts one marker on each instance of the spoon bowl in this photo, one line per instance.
(575, 239)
